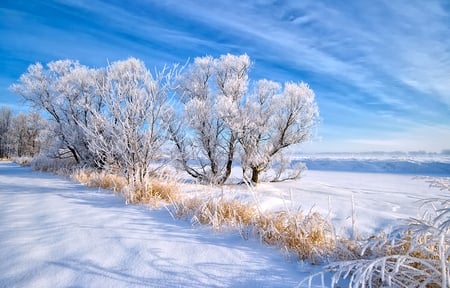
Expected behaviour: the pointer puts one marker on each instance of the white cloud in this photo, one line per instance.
(360, 44)
(387, 62)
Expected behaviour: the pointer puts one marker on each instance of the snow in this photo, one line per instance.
(56, 233)
(378, 198)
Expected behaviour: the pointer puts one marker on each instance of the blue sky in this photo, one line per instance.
(380, 69)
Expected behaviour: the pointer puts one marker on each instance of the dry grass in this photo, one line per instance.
(100, 179)
(308, 236)
(415, 255)
(218, 212)
(152, 192)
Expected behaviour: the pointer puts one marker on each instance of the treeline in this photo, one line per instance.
(21, 135)
(204, 116)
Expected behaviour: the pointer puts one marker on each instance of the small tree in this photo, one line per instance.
(204, 144)
(219, 113)
(272, 120)
(127, 133)
(5, 127)
(62, 89)
(25, 134)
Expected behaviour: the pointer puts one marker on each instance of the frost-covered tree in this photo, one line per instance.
(126, 134)
(220, 115)
(62, 89)
(205, 145)
(25, 134)
(120, 117)
(20, 135)
(271, 120)
(5, 126)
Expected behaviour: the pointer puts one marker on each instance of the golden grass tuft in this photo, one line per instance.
(218, 212)
(100, 179)
(154, 191)
(309, 236)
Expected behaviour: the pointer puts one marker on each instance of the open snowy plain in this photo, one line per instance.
(56, 233)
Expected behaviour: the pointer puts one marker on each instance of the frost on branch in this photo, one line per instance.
(272, 120)
(120, 117)
(223, 114)
(204, 144)
(62, 89)
(127, 134)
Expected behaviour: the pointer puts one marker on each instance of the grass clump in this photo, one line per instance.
(151, 191)
(217, 212)
(100, 179)
(308, 236)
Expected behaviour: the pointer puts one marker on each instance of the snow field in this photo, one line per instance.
(379, 199)
(55, 233)
(58, 233)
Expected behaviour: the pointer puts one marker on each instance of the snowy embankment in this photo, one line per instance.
(55, 233)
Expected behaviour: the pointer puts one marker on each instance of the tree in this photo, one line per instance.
(220, 116)
(63, 90)
(24, 135)
(5, 126)
(126, 134)
(120, 117)
(20, 135)
(272, 120)
(204, 144)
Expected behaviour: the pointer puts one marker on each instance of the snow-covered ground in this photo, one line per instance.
(372, 200)
(373, 190)
(55, 233)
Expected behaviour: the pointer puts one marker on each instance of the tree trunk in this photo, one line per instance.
(255, 175)
(229, 164)
(74, 154)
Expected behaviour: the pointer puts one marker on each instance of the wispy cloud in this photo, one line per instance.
(375, 66)
(364, 45)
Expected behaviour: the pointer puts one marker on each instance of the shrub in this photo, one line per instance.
(217, 212)
(152, 191)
